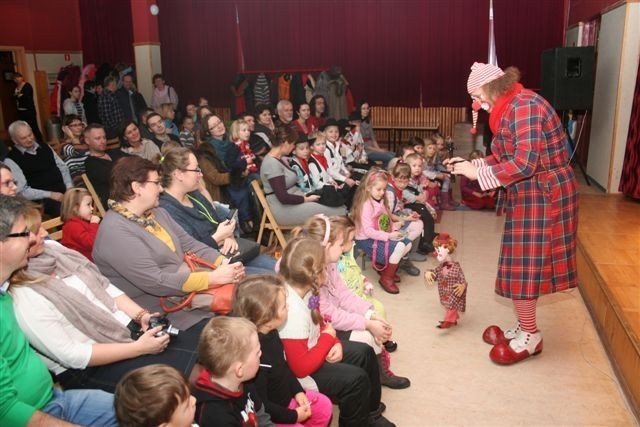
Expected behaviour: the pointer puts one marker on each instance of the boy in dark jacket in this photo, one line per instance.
(229, 351)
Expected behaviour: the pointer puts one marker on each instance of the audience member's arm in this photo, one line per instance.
(279, 188)
(21, 182)
(304, 361)
(40, 419)
(64, 170)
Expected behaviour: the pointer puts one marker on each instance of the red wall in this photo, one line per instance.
(41, 25)
(585, 10)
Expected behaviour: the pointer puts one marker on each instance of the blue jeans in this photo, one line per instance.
(262, 264)
(84, 407)
(382, 156)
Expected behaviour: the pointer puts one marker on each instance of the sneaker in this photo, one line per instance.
(407, 266)
(417, 257)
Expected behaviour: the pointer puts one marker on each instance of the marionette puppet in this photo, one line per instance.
(452, 286)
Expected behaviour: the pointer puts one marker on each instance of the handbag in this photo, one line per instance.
(216, 299)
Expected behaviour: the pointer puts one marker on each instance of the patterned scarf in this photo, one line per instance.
(148, 220)
(501, 105)
(321, 159)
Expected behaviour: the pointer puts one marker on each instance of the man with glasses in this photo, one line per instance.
(27, 395)
(159, 133)
(40, 167)
(8, 185)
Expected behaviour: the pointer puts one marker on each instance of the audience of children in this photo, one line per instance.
(262, 299)
(473, 196)
(187, 137)
(352, 317)
(80, 224)
(346, 371)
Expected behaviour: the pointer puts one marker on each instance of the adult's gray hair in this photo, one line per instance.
(282, 103)
(13, 128)
(10, 209)
(5, 167)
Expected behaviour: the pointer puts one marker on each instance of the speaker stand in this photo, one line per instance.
(574, 158)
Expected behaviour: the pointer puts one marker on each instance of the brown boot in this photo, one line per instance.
(388, 378)
(386, 279)
(445, 202)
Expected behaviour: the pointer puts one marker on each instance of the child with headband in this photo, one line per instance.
(354, 318)
(345, 371)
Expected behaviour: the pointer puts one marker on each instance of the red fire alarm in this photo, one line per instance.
(67, 57)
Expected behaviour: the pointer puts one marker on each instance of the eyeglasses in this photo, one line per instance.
(196, 170)
(212, 127)
(8, 182)
(158, 183)
(75, 125)
(24, 233)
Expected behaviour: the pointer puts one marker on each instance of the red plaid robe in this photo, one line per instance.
(530, 159)
(446, 283)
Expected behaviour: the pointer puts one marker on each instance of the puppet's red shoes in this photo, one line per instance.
(521, 347)
(446, 325)
(494, 335)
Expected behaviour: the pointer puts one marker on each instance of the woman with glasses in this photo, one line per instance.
(214, 134)
(133, 143)
(8, 185)
(73, 106)
(81, 324)
(203, 220)
(141, 249)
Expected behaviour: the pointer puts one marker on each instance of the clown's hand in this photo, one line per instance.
(459, 289)
(430, 278)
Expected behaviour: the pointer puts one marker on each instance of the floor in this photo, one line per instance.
(453, 381)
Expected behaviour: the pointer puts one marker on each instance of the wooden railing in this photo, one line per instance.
(444, 117)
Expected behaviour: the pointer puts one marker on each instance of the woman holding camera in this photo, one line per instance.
(86, 330)
(142, 250)
(201, 218)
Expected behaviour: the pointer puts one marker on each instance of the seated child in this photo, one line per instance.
(440, 185)
(403, 152)
(168, 114)
(80, 224)
(352, 147)
(154, 395)
(414, 193)
(262, 300)
(346, 371)
(229, 351)
(472, 195)
(299, 162)
(240, 134)
(336, 167)
(187, 137)
(377, 233)
(398, 183)
(331, 193)
(354, 318)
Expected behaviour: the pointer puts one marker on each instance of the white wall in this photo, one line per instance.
(616, 69)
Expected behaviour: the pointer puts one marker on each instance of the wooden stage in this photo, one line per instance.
(609, 274)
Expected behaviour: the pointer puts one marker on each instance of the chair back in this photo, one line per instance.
(54, 228)
(96, 200)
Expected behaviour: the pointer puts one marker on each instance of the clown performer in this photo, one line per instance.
(529, 159)
(452, 286)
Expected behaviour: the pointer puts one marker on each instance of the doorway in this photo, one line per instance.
(8, 110)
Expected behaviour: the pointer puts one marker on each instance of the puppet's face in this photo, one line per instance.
(442, 253)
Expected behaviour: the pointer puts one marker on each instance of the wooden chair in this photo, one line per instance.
(268, 221)
(54, 228)
(113, 143)
(96, 200)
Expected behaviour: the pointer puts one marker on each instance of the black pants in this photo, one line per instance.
(181, 354)
(426, 243)
(354, 383)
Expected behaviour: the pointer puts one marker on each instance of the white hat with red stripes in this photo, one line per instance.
(480, 75)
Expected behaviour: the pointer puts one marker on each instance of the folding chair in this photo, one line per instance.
(96, 200)
(268, 221)
(54, 228)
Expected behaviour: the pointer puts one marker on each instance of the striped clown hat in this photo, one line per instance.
(480, 75)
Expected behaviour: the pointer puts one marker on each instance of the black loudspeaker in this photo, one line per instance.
(567, 77)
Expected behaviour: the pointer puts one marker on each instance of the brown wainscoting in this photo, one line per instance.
(609, 271)
(444, 117)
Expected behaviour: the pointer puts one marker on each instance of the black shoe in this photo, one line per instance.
(408, 267)
(246, 227)
(391, 346)
(381, 408)
(380, 422)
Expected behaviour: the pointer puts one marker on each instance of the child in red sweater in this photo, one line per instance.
(80, 224)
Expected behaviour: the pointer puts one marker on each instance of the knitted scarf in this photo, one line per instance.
(501, 105)
(57, 263)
